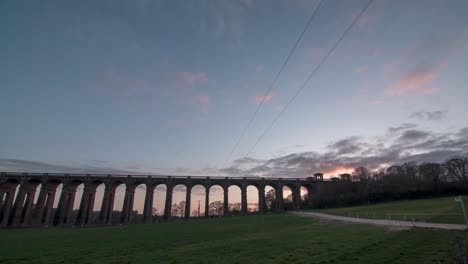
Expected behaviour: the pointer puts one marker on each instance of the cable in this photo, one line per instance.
(310, 77)
(273, 83)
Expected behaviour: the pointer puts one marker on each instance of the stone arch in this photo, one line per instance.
(118, 203)
(178, 204)
(44, 206)
(138, 202)
(288, 197)
(98, 201)
(235, 199)
(253, 198)
(304, 191)
(10, 190)
(197, 200)
(21, 214)
(216, 200)
(159, 201)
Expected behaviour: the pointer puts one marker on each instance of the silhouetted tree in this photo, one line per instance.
(361, 174)
(431, 172)
(457, 168)
(270, 200)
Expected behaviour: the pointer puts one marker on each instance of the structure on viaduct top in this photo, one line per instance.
(23, 212)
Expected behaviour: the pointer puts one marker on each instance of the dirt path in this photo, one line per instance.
(380, 222)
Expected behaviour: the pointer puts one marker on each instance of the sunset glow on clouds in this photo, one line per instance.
(415, 82)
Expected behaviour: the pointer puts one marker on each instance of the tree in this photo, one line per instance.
(181, 208)
(216, 208)
(457, 168)
(270, 200)
(410, 170)
(154, 211)
(361, 174)
(431, 172)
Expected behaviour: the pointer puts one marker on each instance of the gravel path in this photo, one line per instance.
(380, 222)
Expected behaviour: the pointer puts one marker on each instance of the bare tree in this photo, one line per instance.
(410, 170)
(457, 168)
(361, 174)
(431, 172)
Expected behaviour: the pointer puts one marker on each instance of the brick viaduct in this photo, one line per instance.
(22, 212)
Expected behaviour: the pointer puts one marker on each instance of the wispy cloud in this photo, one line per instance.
(416, 81)
(203, 101)
(400, 144)
(259, 98)
(362, 69)
(191, 78)
(427, 115)
(418, 69)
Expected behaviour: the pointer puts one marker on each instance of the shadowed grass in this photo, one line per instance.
(254, 239)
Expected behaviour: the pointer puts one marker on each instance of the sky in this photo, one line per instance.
(167, 87)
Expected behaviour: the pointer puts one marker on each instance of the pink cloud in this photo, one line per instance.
(418, 68)
(362, 69)
(262, 98)
(378, 52)
(191, 78)
(203, 101)
(414, 82)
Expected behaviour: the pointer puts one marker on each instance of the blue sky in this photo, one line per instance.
(168, 86)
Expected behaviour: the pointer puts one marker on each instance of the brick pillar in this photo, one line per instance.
(64, 214)
(39, 208)
(309, 197)
(207, 202)
(69, 213)
(148, 209)
(15, 217)
(188, 198)
(43, 209)
(27, 211)
(226, 202)
(106, 204)
(2, 193)
(244, 200)
(131, 200)
(110, 208)
(86, 206)
(296, 196)
(128, 205)
(7, 207)
(261, 200)
(168, 206)
(279, 199)
(49, 209)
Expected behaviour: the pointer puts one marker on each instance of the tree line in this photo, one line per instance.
(400, 181)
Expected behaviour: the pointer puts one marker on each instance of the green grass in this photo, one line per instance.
(253, 239)
(436, 210)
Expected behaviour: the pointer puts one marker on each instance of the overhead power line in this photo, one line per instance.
(308, 78)
(274, 82)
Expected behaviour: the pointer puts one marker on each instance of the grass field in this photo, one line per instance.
(436, 210)
(252, 239)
